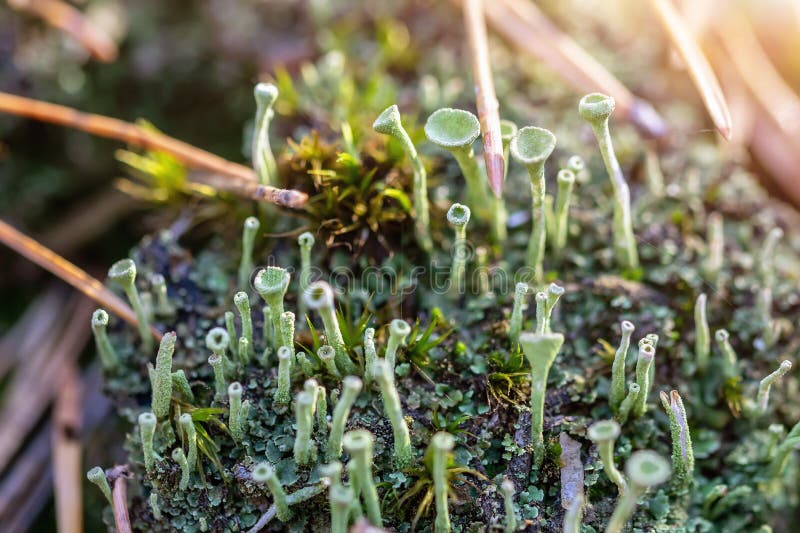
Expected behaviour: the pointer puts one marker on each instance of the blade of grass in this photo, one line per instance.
(699, 68)
(68, 272)
(239, 178)
(485, 98)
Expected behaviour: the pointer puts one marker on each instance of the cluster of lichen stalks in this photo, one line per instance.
(320, 438)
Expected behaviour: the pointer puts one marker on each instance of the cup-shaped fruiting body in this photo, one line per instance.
(604, 434)
(627, 404)
(358, 444)
(644, 361)
(702, 337)
(521, 290)
(370, 354)
(389, 123)
(531, 148)
(541, 312)
(384, 375)
(237, 411)
(541, 352)
(578, 167)
(98, 476)
(305, 451)
(306, 366)
(271, 284)
(265, 473)
(766, 259)
(566, 181)
(108, 356)
(715, 244)
(242, 303)
(644, 469)
(147, 429)
(596, 109)
(682, 450)
(327, 355)
(458, 217)
(318, 296)
(341, 499)
(283, 391)
(398, 332)
(617, 391)
(762, 398)
(217, 341)
(163, 306)
(179, 457)
(190, 434)
(351, 386)
(440, 448)
(554, 293)
(730, 367)
(263, 159)
(508, 489)
(123, 273)
(161, 376)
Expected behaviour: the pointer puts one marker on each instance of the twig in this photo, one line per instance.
(68, 272)
(699, 69)
(527, 28)
(66, 460)
(485, 98)
(241, 179)
(69, 20)
(119, 494)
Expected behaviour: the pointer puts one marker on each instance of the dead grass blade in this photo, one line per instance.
(66, 457)
(699, 68)
(485, 97)
(529, 30)
(240, 179)
(69, 20)
(57, 265)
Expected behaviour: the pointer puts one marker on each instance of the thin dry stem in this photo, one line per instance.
(239, 179)
(70, 273)
(66, 459)
(699, 68)
(69, 20)
(485, 98)
(119, 494)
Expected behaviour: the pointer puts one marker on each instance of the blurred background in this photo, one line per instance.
(189, 68)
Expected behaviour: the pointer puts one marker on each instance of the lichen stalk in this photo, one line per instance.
(263, 159)
(389, 123)
(702, 336)
(384, 375)
(540, 350)
(359, 445)
(627, 404)
(237, 411)
(327, 355)
(163, 306)
(271, 284)
(190, 433)
(283, 391)
(554, 293)
(541, 313)
(441, 446)
(287, 329)
(351, 386)
(161, 376)
(108, 356)
(231, 329)
(304, 448)
(596, 109)
(306, 243)
(566, 181)
(265, 473)
(730, 362)
(179, 457)
(715, 244)
(181, 384)
(644, 469)
(98, 476)
(508, 490)
(147, 430)
(643, 363)
(766, 258)
(521, 290)
(249, 232)
(318, 296)
(617, 391)
(682, 449)
(762, 397)
(123, 273)
(604, 434)
(242, 302)
(398, 332)
(458, 217)
(370, 354)
(341, 499)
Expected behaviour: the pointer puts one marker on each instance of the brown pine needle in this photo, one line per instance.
(699, 68)
(240, 180)
(68, 272)
(119, 495)
(66, 459)
(69, 20)
(485, 97)
(527, 28)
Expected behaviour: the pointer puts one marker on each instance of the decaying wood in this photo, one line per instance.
(66, 458)
(699, 68)
(571, 470)
(70, 273)
(485, 97)
(69, 20)
(239, 178)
